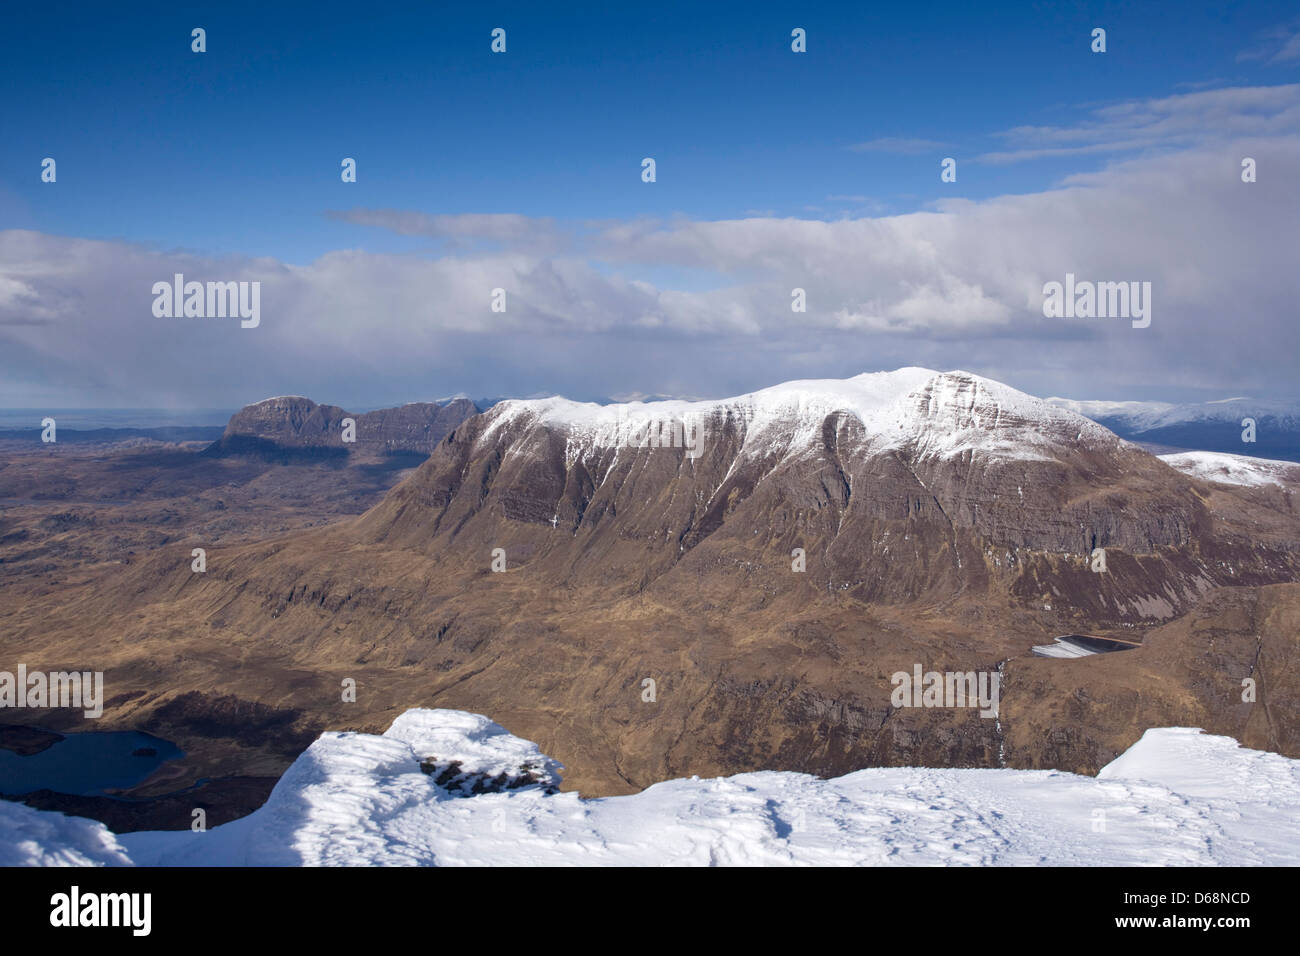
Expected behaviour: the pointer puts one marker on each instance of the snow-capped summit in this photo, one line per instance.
(938, 414)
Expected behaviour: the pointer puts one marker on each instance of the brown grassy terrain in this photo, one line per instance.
(616, 578)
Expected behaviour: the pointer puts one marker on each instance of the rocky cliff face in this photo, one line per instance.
(296, 427)
(416, 428)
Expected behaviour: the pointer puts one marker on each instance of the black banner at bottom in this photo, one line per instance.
(330, 906)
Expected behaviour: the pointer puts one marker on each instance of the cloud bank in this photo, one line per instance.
(704, 307)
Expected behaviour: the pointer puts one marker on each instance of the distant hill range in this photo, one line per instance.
(1200, 426)
(293, 428)
(82, 436)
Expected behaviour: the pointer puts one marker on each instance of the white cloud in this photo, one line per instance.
(620, 307)
(1180, 121)
(1280, 44)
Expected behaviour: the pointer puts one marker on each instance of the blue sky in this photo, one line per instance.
(229, 161)
(238, 150)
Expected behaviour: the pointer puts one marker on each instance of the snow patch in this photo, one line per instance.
(43, 838)
(1234, 469)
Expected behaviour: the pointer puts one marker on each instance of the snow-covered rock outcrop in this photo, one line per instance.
(1178, 796)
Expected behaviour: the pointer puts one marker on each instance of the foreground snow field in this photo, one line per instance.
(1176, 797)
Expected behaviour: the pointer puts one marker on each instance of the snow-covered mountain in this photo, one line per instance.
(1176, 797)
(1132, 415)
(940, 458)
(1201, 426)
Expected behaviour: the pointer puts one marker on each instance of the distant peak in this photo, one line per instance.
(283, 398)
